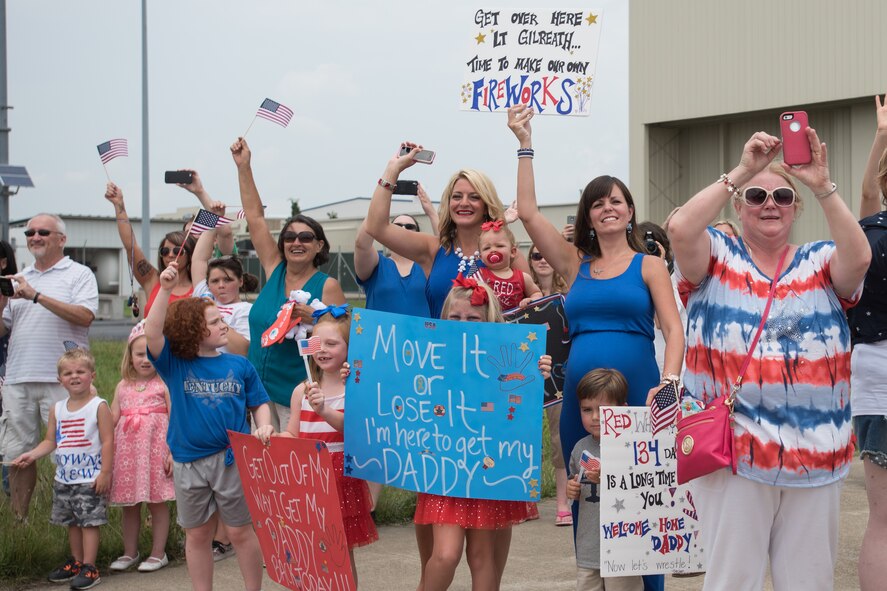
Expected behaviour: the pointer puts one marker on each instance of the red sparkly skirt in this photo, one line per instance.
(356, 504)
(472, 513)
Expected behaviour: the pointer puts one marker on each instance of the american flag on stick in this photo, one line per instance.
(112, 149)
(274, 111)
(664, 408)
(206, 220)
(589, 462)
(308, 346)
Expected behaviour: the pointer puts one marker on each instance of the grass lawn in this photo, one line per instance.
(29, 552)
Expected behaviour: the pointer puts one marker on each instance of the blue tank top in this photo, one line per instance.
(388, 291)
(279, 366)
(440, 279)
(621, 303)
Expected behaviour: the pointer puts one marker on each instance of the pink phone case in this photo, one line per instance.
(795, 145)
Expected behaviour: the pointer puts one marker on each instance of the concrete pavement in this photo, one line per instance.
(541, 558)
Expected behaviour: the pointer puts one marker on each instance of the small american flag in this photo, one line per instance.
(206, 220)
(589, 462)
(241, 214)
(514, 399)
(274, 111)
(71, 433)
(112, 149)
(308, 346)
(486, 406)
(664, 408)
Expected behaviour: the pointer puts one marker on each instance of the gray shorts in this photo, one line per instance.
(78, 505)
(205, 486)
(25, 411)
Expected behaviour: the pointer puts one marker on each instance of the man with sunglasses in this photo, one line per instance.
(54, 303)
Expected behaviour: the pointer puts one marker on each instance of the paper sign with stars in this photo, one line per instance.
(450, 409)
(649, 523)
(541, 57)
(290, 489)
(549, 312)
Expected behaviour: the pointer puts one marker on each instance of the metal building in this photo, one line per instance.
(704, 76)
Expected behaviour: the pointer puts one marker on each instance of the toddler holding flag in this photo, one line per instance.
(599, 387)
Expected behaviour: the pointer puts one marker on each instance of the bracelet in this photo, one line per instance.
(36, 295)
(728, 182)
(670, 378)
(827, 193)
(386, 185)
(525, 152)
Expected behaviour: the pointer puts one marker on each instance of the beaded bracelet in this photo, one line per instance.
(827, 193)
(525, 153)
(728, 182)
(386, 185)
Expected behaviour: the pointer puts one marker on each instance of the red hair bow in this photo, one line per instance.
(479, 295)
(494, 226)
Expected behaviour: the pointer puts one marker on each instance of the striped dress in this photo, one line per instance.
(354, 495)
(793, 411)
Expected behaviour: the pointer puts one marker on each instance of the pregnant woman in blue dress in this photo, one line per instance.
(614, 289)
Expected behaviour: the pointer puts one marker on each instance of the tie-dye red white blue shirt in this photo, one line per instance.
(793, 411)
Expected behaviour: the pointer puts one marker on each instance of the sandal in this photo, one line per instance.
(563, 518)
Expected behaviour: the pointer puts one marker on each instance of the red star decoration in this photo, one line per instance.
(511, 409)
(510, 417)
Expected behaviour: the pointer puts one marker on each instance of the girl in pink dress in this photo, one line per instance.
(321, 400)
(142, 464)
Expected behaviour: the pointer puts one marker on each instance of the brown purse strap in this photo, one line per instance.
(754, 342)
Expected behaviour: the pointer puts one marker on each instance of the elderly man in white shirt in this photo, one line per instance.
(55, 301)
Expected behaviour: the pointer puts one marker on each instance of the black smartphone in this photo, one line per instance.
(407, 188)
(6, 287)
(179, 177)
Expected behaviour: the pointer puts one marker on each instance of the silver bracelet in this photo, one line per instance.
(827, 193)
(728, 182)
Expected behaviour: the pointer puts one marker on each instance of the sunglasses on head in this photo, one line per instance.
(757, 196)
(302, 237)
(41, 231)
(536, 256)
(410, 227)
(175, 250)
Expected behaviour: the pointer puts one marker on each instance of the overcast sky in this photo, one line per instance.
(361, 77)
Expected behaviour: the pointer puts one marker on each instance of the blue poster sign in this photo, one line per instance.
(445, 407)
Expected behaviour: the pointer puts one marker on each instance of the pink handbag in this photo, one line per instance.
(704, 440)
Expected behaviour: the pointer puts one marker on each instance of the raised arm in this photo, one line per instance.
(224, 234)
(430, 211)
(687, 226)
(157, 315)
(416, 246)
(852, 251)
(559, 253)
(263, 242)
(871, 190)
(366, 258)
(143, 271)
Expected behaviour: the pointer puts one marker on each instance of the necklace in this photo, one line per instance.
(469, 263)
(141, 386)
(599, 270)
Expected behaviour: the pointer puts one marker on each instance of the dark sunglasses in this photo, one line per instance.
(41, 231)
(410, 227)
(175, 250)
(302, 237)
(536, 256)
(757, 196)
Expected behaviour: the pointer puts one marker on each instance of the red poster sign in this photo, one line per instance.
(290, 488)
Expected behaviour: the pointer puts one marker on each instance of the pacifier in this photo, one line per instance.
(495, 257)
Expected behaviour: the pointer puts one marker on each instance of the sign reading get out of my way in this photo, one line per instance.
(445, 407)
(544, 58)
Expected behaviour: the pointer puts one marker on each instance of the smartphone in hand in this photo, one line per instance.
(407, 188)
(179, 177)
(423, 156)
(795, 145)
(7, 288)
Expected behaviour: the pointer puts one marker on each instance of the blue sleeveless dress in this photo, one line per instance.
(440, 279)
(388, 291)
(611, 322)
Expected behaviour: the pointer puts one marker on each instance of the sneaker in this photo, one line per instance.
(222, 551)
(124, 562)
(66, 572)
(87, 578)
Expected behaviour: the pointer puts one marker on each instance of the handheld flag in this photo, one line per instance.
(664, 408)
(112, 149)
(206, 220)
(587, 462)
(309, 346)
(274, 111)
